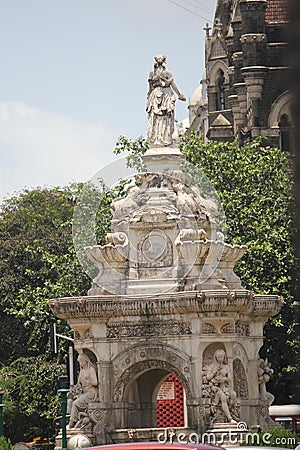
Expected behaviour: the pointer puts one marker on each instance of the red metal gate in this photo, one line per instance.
(170, 403)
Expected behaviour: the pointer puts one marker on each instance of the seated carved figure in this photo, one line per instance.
(84, 393)
(222, 396)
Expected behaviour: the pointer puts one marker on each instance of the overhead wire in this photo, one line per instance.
(186, 9)
(202, 2)
(199, 6)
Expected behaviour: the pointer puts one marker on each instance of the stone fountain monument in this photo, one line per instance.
(166, 301)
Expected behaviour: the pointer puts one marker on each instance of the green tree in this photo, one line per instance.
(36, 256)
(5, 444)
(38, 262)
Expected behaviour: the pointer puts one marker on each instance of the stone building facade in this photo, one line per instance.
(247, 71)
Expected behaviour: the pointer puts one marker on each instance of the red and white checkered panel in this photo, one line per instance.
(170, 411)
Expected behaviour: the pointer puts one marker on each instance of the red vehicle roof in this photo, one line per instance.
(154, 445)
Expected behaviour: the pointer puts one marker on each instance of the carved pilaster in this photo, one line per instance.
(242, 98)
(237, 116)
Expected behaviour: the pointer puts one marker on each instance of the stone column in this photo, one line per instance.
(237, 116)
(242, 99)
(254, 79)
(195, 406)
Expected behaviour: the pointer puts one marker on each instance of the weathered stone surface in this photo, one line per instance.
(166, 301)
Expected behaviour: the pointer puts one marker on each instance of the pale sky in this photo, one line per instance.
(74, 77)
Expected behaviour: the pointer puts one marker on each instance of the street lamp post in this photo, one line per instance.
(63, 390)
(1, 411)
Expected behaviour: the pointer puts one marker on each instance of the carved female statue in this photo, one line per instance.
(222, 395)
(161, 103)
(84, 392)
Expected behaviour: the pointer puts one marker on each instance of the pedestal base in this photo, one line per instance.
(227, 434)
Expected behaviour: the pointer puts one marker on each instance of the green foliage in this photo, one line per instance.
(5, 444)
(38, 262)
(273, 437)
(135, 150)
(32, 399)
(25, 389)
(36, 257)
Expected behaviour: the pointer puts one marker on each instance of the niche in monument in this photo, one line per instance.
(156, 399)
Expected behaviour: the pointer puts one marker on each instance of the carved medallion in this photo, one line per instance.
(155, 250)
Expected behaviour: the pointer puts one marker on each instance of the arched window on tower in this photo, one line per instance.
(220, 94)
(285, 132)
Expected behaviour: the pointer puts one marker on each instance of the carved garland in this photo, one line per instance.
(128, 329)
(242, 328)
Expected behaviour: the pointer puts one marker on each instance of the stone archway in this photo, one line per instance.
(141, 404)
(136, 389)
(281, 106)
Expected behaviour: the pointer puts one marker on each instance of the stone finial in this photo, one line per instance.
(207, 29)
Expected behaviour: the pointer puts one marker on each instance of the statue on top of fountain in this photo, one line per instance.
(161, 104)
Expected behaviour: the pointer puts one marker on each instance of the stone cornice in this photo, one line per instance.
(107, 306)
(263, 304)
(253, 5)
(254, 71)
